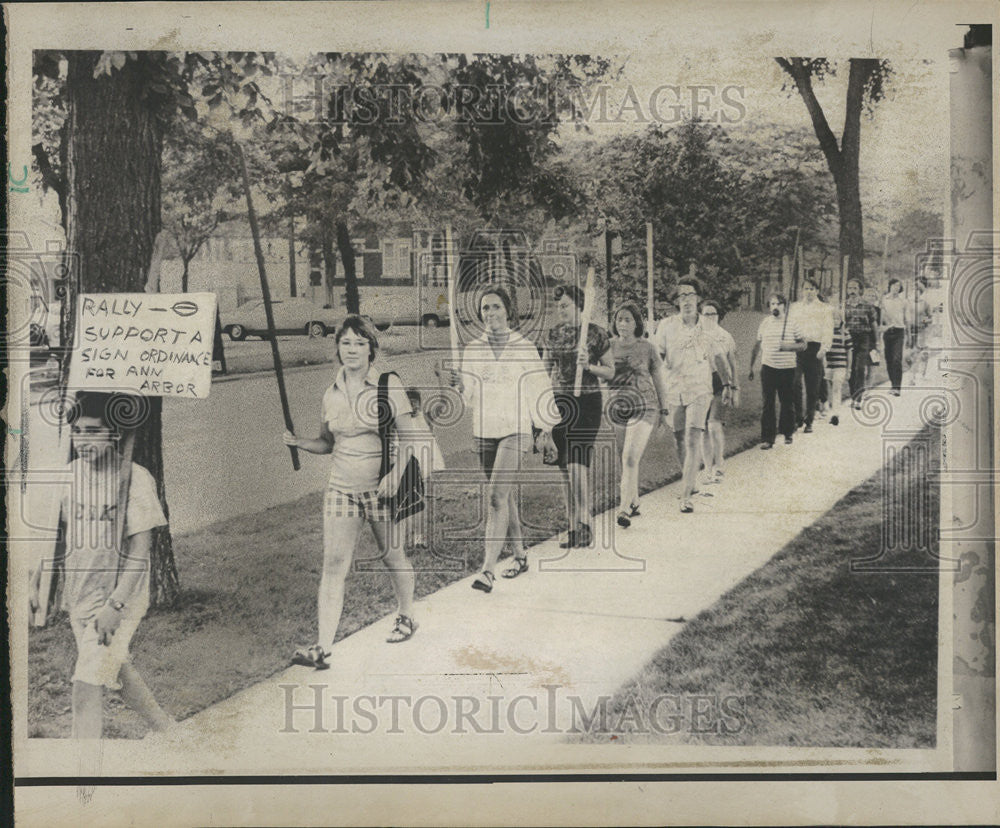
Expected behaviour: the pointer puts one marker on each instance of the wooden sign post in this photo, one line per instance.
(588, 309)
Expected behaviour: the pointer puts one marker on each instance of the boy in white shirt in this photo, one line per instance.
(108, 543)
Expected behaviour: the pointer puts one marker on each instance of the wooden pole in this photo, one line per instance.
(451, 266)
(649, 275)
(268, 312)
(581, 348)
(885, 262)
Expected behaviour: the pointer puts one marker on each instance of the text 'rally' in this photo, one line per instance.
(157, 345)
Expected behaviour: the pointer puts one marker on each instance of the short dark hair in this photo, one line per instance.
(857, 281)
(118, 411)
(573, 292)
(780, 297)
(809, 280)
(888, 287)
(508, 303)
(360, 326)
(632, 308)
(691, 282)
(711, 303)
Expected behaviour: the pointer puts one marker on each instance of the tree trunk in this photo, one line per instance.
(291, 257)
(184, 276)
(329, 263)
(113, 217)
(351, 297)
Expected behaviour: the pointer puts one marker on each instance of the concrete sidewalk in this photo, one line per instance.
(577, 625)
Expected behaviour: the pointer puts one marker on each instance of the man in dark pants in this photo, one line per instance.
(815, 321)
(861, 320)
(777, 340)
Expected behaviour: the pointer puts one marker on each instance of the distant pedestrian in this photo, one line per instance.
(714, 451)
(862, 322)
(815, 321)
(920, 320)
(778, 339)
(895, 318)
(837, 360)
(580, 417)
(637, 400)
(689, 355)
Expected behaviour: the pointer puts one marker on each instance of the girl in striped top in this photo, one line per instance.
(836, 364)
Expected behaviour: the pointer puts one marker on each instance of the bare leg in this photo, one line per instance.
(717, 441)
(390, 544)
(515, 533)
(139, 697)
(692, 441)
(499, 492)
(88, 710)
(340, 536)
(636, 439)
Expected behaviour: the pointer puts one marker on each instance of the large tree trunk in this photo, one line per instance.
(351, 296)
(113, 216)
(329, 263)
(842, 159)
(184, 276)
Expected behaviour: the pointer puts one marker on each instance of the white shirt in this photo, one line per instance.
(508, 393)
(815, 321)
(688, 356)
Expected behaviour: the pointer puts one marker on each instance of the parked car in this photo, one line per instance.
(386, 306)
(291, 316)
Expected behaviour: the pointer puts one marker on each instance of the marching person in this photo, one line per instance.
(815, 320)
(860, 317)
(715, 437)
(349, 431)
(505, 382)
(108, 544)
(778, 338)
(689, 356)
(836, 365)
(895, 319)
(580, 417)
(920, 320)
(638, 395)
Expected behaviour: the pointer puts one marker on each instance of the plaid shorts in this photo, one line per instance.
(365, 505)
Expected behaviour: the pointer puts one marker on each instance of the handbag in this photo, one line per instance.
(409, 497)
(873, 357)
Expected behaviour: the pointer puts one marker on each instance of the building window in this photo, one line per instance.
(359, 258)
(396, 259)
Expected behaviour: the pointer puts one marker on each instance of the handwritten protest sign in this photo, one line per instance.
(153, 344)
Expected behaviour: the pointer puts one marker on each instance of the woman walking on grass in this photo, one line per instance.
(349, 431)
(504, 381)
(638, 400)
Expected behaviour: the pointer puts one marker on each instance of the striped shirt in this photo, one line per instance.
(770, 337)
(836, 355)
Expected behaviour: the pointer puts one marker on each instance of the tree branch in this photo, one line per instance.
(50, 178)
(801, 74)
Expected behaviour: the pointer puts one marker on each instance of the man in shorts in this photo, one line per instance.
(715, 437)
(689, 356)
(108, 543)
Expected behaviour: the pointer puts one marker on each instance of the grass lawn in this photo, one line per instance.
(249, 583)
(814, 654)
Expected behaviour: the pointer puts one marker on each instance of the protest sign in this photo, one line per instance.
(156, 345)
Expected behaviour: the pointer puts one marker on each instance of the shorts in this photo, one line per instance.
(580, 421)
(99, 664)
(717, 384)
(487, 448)
(692, 415)
(366, 505)
(627, 406)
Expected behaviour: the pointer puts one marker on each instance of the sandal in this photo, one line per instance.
(403, 629)
(314, 656)
(584, 536)
(633, 510)
(570, 542)
(520, 567)
(484, 582)
(623, 520)
(686, 507)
